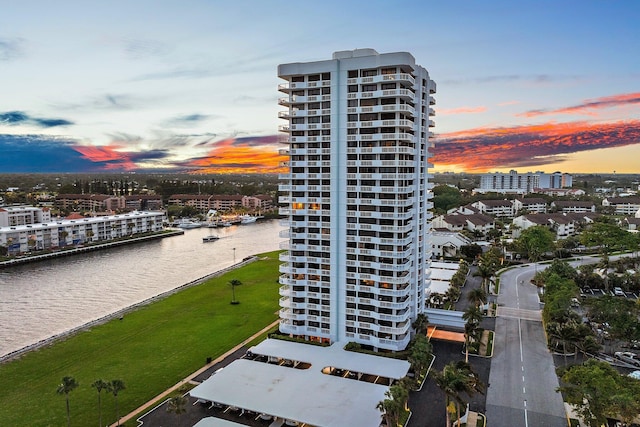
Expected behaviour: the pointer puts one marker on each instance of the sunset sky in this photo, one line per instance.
(191, 85)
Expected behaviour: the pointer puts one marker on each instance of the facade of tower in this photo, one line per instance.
(356, 197)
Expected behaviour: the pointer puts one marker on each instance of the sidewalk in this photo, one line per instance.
(139, 411)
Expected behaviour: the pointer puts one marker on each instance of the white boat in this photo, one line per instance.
(187, 224)
(248, 219)
(210, 238)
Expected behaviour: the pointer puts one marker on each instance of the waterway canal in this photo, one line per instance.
(42, 299)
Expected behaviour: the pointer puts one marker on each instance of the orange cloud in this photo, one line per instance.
(240, 155)
(108, 155)
(483, 149)
(590, 107)
(462, 110)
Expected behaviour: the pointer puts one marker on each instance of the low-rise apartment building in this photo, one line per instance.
(447, 244)
(562, 225)
(77, 230)
(89, 202)
(221, 202)
(622, 205)
(23, 215)
(108, 204)
(573, 206)
(530, 204)
(497, 208)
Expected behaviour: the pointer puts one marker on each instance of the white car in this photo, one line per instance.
(617, 291)
(627, 356)
(635, 375)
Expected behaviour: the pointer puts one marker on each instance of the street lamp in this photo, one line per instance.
(234, 256)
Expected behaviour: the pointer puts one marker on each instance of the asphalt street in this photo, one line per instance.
(522, 380)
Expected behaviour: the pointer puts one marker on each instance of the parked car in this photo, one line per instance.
(617, 291)
(635, 374)
(627, 356)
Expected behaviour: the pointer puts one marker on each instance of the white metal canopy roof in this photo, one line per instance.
(215, 422)
(304, 395)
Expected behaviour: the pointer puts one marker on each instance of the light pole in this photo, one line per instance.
(234, 256)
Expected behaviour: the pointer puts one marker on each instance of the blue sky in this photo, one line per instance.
(192, 85)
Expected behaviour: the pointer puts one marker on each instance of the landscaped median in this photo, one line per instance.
(150, 349)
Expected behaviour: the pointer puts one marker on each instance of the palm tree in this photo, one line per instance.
(448, 381)
(177, 404)
(452, 294)
(564, 332)
(485, 272)
(420, 324)
(394, 404)
(472, 315)
(456, 379)
(477, 296)
(100, 385)
(470, 333)
(233, 283)
(67, 385)
(421, 354)
(62, 238)
(115, 387)
(437, 299)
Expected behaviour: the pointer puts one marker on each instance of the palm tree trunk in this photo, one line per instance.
(446, 409)
(68, 412)
(99, 411)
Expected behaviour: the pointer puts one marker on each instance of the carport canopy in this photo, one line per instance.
(442, 335)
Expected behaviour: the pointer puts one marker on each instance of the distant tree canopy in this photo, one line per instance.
(535, 242)
(471, 252)
(446, 197)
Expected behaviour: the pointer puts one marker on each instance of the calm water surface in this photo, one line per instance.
(46, 298)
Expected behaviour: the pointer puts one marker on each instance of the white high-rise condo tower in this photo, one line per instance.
(357, 197)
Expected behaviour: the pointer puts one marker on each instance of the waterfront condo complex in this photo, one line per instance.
(356, 197)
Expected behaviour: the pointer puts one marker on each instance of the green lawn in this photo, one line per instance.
(150, 349)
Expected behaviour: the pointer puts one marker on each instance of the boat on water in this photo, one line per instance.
(188, 224)
(248, 219)
(210, 238)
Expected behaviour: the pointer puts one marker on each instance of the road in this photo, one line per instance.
(522, 380)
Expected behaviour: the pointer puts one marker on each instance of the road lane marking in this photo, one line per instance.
(520, 336)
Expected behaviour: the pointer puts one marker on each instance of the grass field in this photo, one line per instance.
(150, 349)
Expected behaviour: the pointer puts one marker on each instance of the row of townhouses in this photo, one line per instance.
(106, 203)
(563, 224)
(146, 202)
(24, 229)
(511, 208)
(623, 205)
(222, 202)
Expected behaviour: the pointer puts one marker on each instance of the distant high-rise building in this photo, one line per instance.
(357, 197)
(522, 183)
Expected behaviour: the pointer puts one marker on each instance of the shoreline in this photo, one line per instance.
(92, 247)
(120, 313)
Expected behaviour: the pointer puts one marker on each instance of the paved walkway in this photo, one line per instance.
(139, 411)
